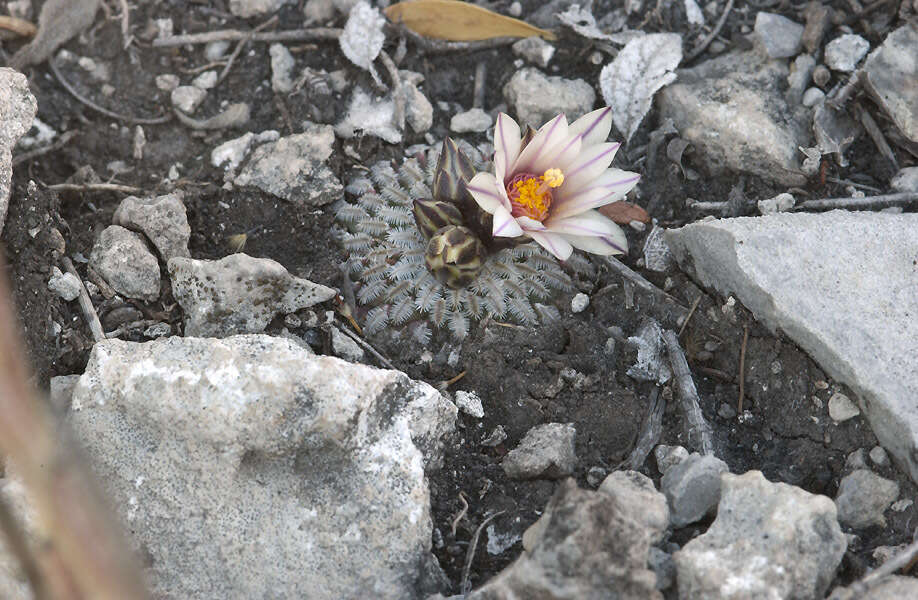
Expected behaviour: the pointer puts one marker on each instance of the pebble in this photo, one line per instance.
(856, 460)
(781, 37)
(889, 77)
(534, 50)
(470, 121)
(901, 505)
(726, 411)
(536, 98)
(579, 303)
(206, 80)
(344, 347)
(841, 408)
(187, 98)
(65, 285)
(596, 475)
(167, 82)
(157, 330)
(418, 109)
(845, 52)
(801, 72)
(162, 219)
(821, 75)
(813, 96)
(230, 154)
(639, 500)
(214, 51)
(692, 487)
(469, 403)
(121, 257)
(282, 63)
(906, 180)
(669, 456)
(862, 498)
(545, 452)
(780, 203)
(495, 438)
(515, 9)
(879, 457)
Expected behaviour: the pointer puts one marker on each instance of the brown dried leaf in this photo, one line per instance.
(459, 21)
(624, 212)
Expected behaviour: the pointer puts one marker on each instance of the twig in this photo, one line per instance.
(89, 311)
(624, 271)
(462, 513)
(366, 346)
(881, 201)
(651, 429)
(860, 589)
(873, 130)
(233, 35)
(106, 290)
(465, 586)
(717, 206)
(690, 313)
(697, 429)
(742, 370)
(854, 184)
(95, 187)
(481, 77)
(710, 37)
(17, 26)
(108, 113)
(202, 68)
(723, 376)
(839, 96)
(448, 382)
(62, 141)
(126, 24)
(248, 38)
(398, 94)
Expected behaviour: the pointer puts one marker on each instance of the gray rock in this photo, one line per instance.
(862, 498)
(537, 98)
(801, 72)
(318, 11)
(187, 98)
(669, 456)
(281, 65)
(845, 52)
(579, 302)
(17, 109)
(157, 330)
(121, 257)
(841, 408)
(780, 37)
(769, 540)
(469, 403)
(495, 438)
(906, 180)
(889, 75)
(692, 488)
(663, 566)
(639, 500)
(344, 347)
(890, 587)
(238, 293)
(206, 80)
(214, 51)
(584, 547)
(856, 459)
(804, 274)
(733, 111)
(780, 203)
(879, 457)
(418, 109)
(535, 50)
(813, 96)
(231, 153)
(250, 468)
(546, 451)
(474, 120)
(65, 285)
(251, 8)
(162, 219)
(167, 82)
(293, 168)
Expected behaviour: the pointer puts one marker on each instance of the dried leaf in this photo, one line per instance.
(59, 21)
(630, 81)
(624, 212)
(459, 21)
(363, 37)
(582, 21)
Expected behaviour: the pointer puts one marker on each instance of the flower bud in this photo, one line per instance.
(454, 169)
(431, 215)
(454, 256)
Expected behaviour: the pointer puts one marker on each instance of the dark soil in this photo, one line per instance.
(525, 377)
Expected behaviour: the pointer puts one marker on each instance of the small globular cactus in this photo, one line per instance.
(454, 255)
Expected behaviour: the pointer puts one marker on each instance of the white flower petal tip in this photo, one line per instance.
(507, 140)
(560, 247)
(594, 126)
(504, 224)
(483, 188)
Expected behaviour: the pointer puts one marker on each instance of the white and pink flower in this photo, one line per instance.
(550, 188)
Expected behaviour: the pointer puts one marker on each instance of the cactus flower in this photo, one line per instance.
(549, 188)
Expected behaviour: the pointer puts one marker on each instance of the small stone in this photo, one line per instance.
(418, 109)
(515, 9)
(692, 487)
(821, 76)
(123, 260)
(206, 80)
(469, 403)
(879, 457)
(901, 505)
(726, 411)
(535, 50)
(845, 52)
(281, 65)
(545, 452)
(344, 347)
(862, 498)
(906, 180)
(669, 456)
(167, 82)
(537, 98)
(65, 285)
(799, 78)
(138, 143)
(639, 500)
(856, 460)
(319, 11)
(474, 120)
(495, 438)
(889, 75)
(187, 98)
(813, 96)
(214, 51)
(841, 408)
(817, 21)
(579, 303)
(231, 153)
(780, 203)
(251, 8)
(596, 475)
(162, 219)
(781, 37)
(157, 330)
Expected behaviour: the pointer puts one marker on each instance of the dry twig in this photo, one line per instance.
(234, 35)
(881, 201)
(17, 26)
(248, 38)
(462, 513)
(465, 586)
(697, 429)
(619, 268)
(710, 37)
(690, 313)
(481, 78)
(95, 187)
(57, 145)
(383, 361)
(126, 24)
(873, 130)
(651, 429)
(398, 94)
(89, 311)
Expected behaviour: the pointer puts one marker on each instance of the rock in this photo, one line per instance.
(167, 82)
(157, 330)
(584, 547)
(639, 500)
(801, 72)
(769, 540)
(862, 498)
(546, 452)
(890, 587)
(370, 116)
(470, 403)
(806, 274)
(238, 293)
(889, 75)
(495, 438)
(162, 219)
(206, 80)
(474, 120)
(780, 203)
(61, 391)
(418, 109)
(579, 302)
(537, 98)
(841, 408)
(733, 111)
(821, 76)
(123, 260)
(906, 180)
(293, 168)
(251, 8)
(231, 153)
(669, 456)
(17, 109)
(65, 285)
(250, 468)
(187, 98)
(214, 51)
(856, 460)
(318, 11)
(692, 487)
(281, 65)
(813, 96)
(845, 52)
(879, 457)
(780, 37)
(535, 50)
(344, 347)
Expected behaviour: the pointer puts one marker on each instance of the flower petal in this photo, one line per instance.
(506, 144)
(608, 187)
(561, 157)
(504, 224)
(546, 142)
(552, 242)
(483, 188)
(530, 224)
(589, 165)
(594, 126)
(603, 246)
(590, 223)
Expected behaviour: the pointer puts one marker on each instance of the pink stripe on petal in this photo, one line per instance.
(557, 245)
(504, 224)
(506, 144)
(591, 164)
(594, 126)
(483, 188)
(550, 135)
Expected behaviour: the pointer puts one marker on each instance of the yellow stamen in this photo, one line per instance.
(553, 177)
(531, 195)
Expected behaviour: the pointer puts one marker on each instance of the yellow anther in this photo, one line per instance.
(553, 177)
